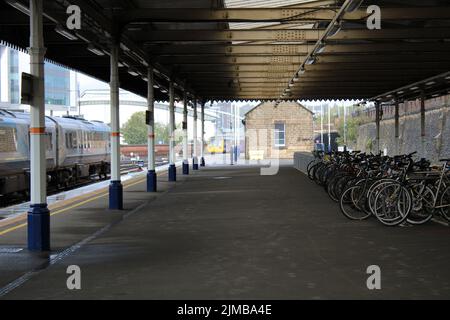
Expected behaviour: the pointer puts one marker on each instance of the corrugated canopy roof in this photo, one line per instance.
(248, 50)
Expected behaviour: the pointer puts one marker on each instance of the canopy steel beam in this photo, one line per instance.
(292, 49)
(287, 35)
(316, 74)
(278, 82)
(334, 67)
(292, 14)
(296, 60)
(268, 82)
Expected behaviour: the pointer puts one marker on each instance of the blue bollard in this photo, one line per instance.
(185, 167)
(151, 181)
(172, 173)
(115, 195)
(38, 227)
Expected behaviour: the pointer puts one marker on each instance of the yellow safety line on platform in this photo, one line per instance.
(70, 207)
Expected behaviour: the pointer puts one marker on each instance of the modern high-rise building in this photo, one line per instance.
(60, 84)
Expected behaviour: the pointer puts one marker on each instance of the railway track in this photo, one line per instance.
(126, 167)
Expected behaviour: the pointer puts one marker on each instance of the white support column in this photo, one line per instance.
(185, 135)
(202, 147)
(172, 169)
(38, 215)
(115, 187)
(194, 157)
(151, 173)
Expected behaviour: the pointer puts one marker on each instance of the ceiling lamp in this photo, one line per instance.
(334, 29)
(133, 72)
(311, 60)
(320, 48)
(354, 5)
(95, 50)
(19, 6)
(65, 33)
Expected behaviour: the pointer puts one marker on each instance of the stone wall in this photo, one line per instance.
(434, 145)
(260, 124)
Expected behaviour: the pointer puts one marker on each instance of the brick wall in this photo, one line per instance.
(260, 124)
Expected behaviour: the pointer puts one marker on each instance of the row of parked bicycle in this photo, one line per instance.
(395, 190)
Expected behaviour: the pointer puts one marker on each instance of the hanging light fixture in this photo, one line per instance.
(334, 29)
(311, 60)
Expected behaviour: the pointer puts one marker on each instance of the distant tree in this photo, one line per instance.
(135, 130)
(161, 133)
(351, 131)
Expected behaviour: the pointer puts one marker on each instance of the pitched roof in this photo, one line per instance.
(280, 105)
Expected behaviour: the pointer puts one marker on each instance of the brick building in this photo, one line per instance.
(283, 130)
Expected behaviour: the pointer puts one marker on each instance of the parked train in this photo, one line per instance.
(75, 149)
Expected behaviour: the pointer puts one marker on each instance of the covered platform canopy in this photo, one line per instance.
(249, 50)
(219, 50)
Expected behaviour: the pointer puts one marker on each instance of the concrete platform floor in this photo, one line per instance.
(228, 233)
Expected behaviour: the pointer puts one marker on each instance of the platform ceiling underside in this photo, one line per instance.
(248, 50)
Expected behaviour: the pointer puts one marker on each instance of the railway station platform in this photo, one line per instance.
(224, 232)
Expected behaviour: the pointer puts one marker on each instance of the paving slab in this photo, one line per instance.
(226, 232)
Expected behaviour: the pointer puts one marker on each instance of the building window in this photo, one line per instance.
(14, 76)
(279, 140)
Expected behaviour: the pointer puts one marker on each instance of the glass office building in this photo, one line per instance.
(60, 83)
(57, 85)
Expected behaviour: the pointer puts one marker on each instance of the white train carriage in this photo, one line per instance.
(75, 149)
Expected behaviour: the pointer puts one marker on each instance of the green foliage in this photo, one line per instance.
(352, 131)
(135, 131)
(369, 144)
(161, 133)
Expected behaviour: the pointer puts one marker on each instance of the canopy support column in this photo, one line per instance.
(185, 135)
(377, 123)
(115, 187)
(422, 124)
(397, 127)
(151, 173)
(172, 168)
(422, 114)
(202, 147)
(38, 214)
(194, 158)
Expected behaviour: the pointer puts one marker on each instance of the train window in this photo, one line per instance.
(71, 140)
(48, 141)
(68, 141)
(8, 140)
(75, 142)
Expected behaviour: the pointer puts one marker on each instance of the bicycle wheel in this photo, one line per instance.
(374, 190)
(423, 204)
(341, 185)
(392, 204)
(309, 168)
(444, 203)
(318, 174)
(312, 171)
(352, 202)
(331, 186)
